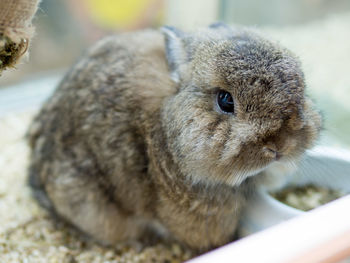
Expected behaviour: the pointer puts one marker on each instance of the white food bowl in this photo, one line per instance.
(325, 167)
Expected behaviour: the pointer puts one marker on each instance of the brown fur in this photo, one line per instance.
(121, 147)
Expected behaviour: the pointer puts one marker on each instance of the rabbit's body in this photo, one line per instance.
(121, 149)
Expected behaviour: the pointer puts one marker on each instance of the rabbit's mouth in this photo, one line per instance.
(277, 166)
(240, 177)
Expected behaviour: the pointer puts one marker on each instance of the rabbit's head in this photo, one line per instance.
(239, 107)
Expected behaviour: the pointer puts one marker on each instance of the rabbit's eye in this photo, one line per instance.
(225, 101)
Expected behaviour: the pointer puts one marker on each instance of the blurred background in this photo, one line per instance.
(318, 31)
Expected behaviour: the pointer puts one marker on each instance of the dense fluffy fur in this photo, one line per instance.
(133, 141)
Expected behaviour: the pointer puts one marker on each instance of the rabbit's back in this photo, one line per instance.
(94, 121)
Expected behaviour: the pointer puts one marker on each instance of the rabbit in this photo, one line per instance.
(167, 133)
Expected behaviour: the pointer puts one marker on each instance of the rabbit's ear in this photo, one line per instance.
(175, 50)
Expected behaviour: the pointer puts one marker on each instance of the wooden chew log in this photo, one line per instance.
(15, 29)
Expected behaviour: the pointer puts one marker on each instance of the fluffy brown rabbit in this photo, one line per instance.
(164, 132)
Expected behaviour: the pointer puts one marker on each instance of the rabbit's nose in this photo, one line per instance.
(271, 151)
